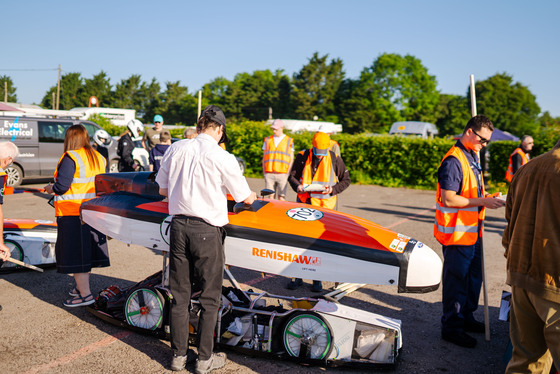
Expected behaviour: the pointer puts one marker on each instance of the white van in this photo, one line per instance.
(117, 116)
(424, 130)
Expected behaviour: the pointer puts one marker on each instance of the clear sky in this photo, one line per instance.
(195, 42)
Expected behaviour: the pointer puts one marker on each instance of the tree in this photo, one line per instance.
(453, 113)
(215, 92)
(98, 86)
(510, 106)
(126, 92)
(394, 88)
(71, 85)
(177, 106)
(315, 88)
(250, 96)
(11, 91)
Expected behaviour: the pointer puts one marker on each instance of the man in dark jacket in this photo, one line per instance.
(318, 166)
(532, 242)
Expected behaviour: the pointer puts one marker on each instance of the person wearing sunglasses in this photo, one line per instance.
(151, 134)
(520, 156)
(460, 204)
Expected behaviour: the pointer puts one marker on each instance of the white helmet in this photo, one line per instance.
(102, 138)
(135, 127)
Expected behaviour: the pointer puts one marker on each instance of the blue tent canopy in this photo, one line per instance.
(503, 135)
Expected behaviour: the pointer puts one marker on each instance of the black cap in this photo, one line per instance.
(215, 114)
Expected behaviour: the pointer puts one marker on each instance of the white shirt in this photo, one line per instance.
(277, 140)
(197, 174)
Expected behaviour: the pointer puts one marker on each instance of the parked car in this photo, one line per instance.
(41, 144)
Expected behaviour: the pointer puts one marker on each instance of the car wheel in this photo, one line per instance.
(114, 166)
(14, 175)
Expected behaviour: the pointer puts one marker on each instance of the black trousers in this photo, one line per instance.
(196, 246)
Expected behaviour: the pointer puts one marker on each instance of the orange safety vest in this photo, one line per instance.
(83, 184)
(459, 226)
(324, 175)
(509, 172)
(332, 145)
(277, 159)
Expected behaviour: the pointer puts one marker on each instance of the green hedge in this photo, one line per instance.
(501, 150)
(384, 160)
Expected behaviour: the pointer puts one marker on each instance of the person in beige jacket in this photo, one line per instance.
(532, 242)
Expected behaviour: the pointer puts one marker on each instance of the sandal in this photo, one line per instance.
(74, 292)
(82, 301)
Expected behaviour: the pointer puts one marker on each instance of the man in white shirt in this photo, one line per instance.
(196, 174)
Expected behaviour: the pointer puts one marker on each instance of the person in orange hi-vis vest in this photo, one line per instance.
(277, 160)
(79, 247)
(8, 152)
(318, 166)
(460, 203)
(520, 156)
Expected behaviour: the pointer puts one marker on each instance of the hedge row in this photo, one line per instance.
(383, 160)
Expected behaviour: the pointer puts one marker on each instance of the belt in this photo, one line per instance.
(182, 216)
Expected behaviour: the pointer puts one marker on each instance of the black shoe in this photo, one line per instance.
(0, 307)
(317, 286)
(294, 284)
(475, 326)
(460, 338)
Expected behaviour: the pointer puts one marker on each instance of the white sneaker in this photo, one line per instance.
(217, 361)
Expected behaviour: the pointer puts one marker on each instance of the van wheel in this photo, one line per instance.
(114, 166)
(14, 175)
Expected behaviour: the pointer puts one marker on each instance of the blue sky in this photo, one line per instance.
(195, 42)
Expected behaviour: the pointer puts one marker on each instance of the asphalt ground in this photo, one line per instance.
(40, 335)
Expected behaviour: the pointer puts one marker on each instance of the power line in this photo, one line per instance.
(1, 69)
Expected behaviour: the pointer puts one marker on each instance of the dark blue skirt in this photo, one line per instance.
(79, 247)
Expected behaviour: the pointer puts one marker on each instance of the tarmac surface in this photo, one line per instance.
(40, 335)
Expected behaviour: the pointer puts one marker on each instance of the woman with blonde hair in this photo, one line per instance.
(79, 247)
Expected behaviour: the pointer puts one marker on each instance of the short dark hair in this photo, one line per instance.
(524, 137)
(478, 122)
(205, 122)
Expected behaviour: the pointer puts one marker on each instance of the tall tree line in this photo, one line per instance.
(393, 88)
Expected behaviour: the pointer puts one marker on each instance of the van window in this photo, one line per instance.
(91, 129)
(52, 132)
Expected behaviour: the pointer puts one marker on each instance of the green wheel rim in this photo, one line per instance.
(16, 252)
(310, 326)
(148, 315)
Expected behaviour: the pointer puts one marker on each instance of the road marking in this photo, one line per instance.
(410, 217)
(79, 353)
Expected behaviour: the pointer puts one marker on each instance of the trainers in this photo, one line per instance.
(179, 362)
(460, 338)
(294, 284)
(474, 326)
(217, 361)
(317, 286)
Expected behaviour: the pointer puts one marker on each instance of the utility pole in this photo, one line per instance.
(199, 104)
(53, 100)
(58, 89)
(269, 112)
(6, 91)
